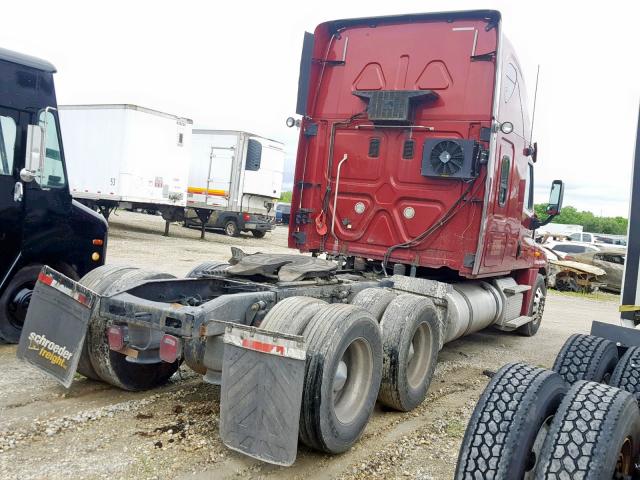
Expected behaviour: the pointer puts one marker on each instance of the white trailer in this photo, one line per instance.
(236, 178)
(127, 156)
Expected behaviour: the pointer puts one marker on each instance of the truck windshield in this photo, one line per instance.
(52, 175)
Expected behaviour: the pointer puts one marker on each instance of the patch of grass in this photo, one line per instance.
(455, 428)
(598, 296)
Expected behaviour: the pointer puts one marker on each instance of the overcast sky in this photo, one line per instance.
(235, 65)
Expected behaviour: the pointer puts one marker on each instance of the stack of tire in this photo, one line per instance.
(579, 420)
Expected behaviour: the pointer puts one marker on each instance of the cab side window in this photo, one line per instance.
(505, 168)
(52, 174)
(528, 189)
(8, 131)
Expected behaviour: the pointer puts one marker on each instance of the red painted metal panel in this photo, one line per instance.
(384, 200)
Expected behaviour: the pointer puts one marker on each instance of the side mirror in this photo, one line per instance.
(34, 154)
(555, 198)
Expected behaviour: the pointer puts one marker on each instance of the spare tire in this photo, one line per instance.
(595, 434)
(586, 357)
(374, 300)
(107, 365)
(342, 377)
(627, 373)
(410, 344)
(206, 269)
(504, 435)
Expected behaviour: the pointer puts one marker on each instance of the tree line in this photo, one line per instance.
(589, 221)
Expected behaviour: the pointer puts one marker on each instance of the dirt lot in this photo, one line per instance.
(95, 431)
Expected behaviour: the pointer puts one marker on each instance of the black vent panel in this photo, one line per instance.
(393, 105)
(374, 147)
(408, 149)
(449, 158)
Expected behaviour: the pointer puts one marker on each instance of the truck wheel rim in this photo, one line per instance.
(419, 355)
(231, 229)
(536, 448)
(17, 308)
(625, 465)
(351, 380)
(538, 305)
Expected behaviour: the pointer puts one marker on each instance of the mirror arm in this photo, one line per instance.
(536, 223)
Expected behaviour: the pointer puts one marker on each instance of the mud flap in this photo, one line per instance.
(261, 393)
(56, 324)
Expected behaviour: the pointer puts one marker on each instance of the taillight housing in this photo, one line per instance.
(246, 217)
(170, 348)
(116, 336)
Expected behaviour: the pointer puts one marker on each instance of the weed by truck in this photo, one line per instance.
(414, 178)
(40, 224)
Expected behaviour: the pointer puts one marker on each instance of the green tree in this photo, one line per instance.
(590, 223)
(285, 197)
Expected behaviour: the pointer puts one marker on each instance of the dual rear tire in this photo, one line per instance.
(342, 371)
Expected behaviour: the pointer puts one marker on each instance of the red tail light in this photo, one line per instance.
(115, 335)
(170, 348)
(246, 217)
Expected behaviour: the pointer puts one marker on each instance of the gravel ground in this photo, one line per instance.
(96, 431)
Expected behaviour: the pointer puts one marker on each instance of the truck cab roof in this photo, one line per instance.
(26, 60)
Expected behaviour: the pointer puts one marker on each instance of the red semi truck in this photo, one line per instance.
(414, 179)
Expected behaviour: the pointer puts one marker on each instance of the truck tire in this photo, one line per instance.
(206, 269)
(410, 344)
(231, 228)
(15, 299)
(342, 377)
(258, 233)
(626, 375)
(506, 431)
(595, 434)
(536, 308)
(112, 367)
(96, 280)
(585, 357)
(292, 315)
(14, 302)
(374, 300)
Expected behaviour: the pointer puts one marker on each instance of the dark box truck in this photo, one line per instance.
(39, 222)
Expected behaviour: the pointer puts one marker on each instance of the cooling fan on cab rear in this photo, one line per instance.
(447, 158)
(450, 158)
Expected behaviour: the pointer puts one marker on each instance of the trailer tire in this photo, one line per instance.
(626, 375)
(410, 343)
(506, 430)
(585, 357)
(374, 300)
(292, 315)
(206, 269)
(595, 434)
(536, 308)
(112, 367)
(258, 233)
(231, 228)
(342, 377)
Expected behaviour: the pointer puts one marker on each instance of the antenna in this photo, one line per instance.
(535, 99)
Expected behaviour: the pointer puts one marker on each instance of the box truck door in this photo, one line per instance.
(10, 205)
(264, 168)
